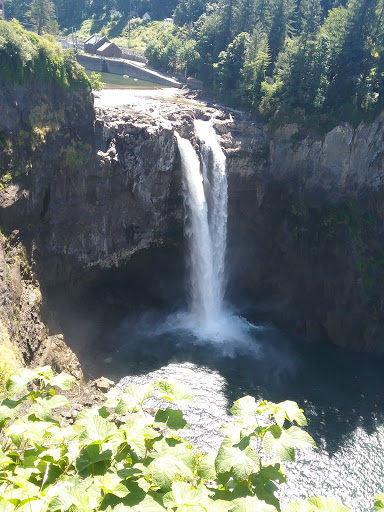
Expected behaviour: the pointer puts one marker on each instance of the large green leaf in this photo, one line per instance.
(84, 495)
(86, 501)
(9, 410)
(241, 463)
(252, 504)
(18, 381)
(316, 504)
(265, 483)
(244, 407)
(111, 483)
(137, 433)
(33, 431)
(185, 497)
(42, 408)
(300, 438)
(206, 468)
(379, 503)
(148, 504)
(132, 397)
(92, 454)
(291, 411)
(95, 429)
(63, 381)
(169, 462)
(276, 441)
(172, 418)
(218, 506)
(284, 442)
(173, 391)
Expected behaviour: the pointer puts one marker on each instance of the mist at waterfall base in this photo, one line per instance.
(221, 356)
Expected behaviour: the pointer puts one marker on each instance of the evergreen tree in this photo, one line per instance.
(257, 61)
(42, 14)
(188, 11)
(70, 12)
(280, 27)
(228, 70)
(309, 19)
(354, 63)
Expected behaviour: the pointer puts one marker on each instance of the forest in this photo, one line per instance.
(315, 62)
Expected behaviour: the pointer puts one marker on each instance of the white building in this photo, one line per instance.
(168, 20)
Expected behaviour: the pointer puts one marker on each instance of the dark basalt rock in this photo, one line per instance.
(98, 205)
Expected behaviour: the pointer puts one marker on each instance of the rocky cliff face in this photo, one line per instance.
(309, 210)
(98, 206)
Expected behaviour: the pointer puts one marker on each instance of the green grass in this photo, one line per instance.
(112, 80)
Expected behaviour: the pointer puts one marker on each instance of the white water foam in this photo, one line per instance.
(206, 198)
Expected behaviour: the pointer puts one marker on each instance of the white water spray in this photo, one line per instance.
(206, 223)
(206, 197)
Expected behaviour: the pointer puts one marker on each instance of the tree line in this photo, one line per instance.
(317, 62)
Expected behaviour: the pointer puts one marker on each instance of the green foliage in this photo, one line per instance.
(96, 84)
(142, 465)
(42, 15)
(314, 62)
(169, 47)
(25, 56)
(77, 154)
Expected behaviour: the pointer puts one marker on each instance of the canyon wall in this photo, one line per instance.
(309, 211)
(95, 201)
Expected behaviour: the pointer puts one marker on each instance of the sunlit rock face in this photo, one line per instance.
(306, 230)
(98, 199)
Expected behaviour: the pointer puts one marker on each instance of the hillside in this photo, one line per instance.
(316, 62)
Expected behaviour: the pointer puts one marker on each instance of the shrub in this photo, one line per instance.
(143, 464)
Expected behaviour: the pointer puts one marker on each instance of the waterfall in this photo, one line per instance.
(205, 194)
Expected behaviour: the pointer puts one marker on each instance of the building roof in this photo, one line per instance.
(105, 46)
(94, 38)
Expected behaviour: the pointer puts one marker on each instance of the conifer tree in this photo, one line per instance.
(42, 14)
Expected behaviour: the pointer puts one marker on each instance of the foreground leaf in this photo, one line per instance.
(173, 391)
(241, 463)
(244, 407)
(172, 418)
(379, 503)
(183, 495)
(112, 483)
(19, 380)
(252, 504)
(132, 397)
(169, 462)
(316, 504)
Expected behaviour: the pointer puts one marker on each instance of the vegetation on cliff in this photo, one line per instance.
(120, 458)
(24, 56)
(318, 62)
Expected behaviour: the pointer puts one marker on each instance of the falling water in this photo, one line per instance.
(205, 188)
(216, 191)
(206, 197)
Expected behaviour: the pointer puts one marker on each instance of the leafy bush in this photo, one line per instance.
(96, 83)
(25, 56)
(142, 465)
